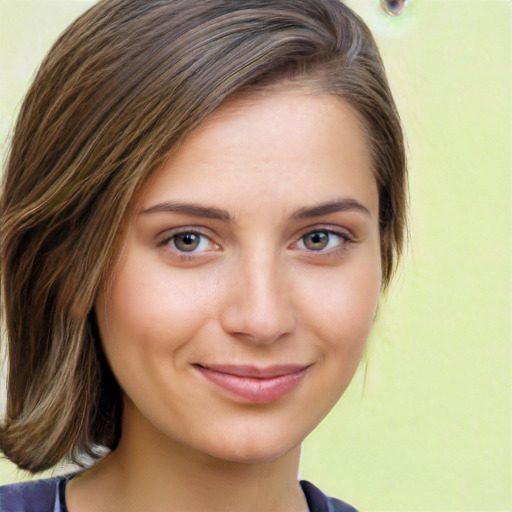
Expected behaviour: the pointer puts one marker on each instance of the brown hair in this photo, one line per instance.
(115, 95)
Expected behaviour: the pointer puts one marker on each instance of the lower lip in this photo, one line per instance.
(252, 389)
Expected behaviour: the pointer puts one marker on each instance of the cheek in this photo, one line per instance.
(344, 308)
(152, 305)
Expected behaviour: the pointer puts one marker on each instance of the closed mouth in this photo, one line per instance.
(252, 383)
(254, 372)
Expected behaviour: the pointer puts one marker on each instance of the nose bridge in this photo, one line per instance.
(258, 305)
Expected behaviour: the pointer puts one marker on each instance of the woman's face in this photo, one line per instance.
(249, 279)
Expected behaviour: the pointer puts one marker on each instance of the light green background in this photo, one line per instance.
(427, 426)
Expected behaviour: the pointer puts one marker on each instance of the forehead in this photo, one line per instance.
(269, 145)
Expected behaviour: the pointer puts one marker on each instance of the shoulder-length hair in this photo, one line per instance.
(120, 89)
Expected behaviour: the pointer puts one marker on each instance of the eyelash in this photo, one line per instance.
(169, 240)
(345, 241)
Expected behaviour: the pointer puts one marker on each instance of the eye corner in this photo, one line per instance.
(188, 241)
(328, 243)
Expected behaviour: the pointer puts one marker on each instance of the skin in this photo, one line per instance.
(256, 291)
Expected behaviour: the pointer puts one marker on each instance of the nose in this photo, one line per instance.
(257, 305)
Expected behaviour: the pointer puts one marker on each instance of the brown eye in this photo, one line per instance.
(186, 242)
(316, 241)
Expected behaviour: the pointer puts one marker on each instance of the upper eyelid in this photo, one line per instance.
(325, 254)
(169, 233)
(341, 235)
(163, 241)
(336, 230)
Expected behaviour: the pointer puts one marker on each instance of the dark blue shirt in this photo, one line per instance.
(49, 496)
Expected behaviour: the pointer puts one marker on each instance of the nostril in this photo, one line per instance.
(258, 329)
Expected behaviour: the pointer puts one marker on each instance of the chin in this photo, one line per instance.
(255, 448)
(252, 455)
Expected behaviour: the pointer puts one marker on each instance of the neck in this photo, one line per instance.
(148, 471)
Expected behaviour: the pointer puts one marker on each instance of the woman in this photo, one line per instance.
(201, 205)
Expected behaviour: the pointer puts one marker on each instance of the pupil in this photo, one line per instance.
(316, 241)
(186, 242)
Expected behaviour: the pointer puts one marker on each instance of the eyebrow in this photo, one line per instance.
(196, 210)
(210, 212)
(338, 205)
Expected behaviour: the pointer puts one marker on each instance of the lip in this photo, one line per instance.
(254, 384)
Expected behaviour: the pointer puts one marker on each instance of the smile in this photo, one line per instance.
(254, 384)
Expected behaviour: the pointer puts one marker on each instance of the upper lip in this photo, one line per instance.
(255, 372)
